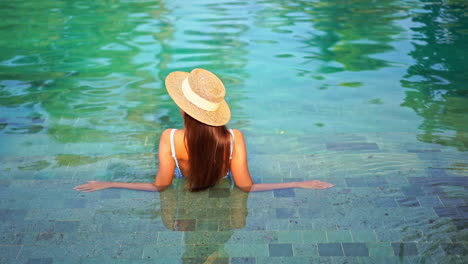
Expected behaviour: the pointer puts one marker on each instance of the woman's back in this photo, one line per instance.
(180, 152)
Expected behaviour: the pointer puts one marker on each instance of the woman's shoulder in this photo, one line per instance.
(166, 134)
(238, 135)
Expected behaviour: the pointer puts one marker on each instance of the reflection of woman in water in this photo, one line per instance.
(209, 227)
(204, 151)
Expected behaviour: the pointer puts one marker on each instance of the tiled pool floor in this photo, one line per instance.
(392, 203)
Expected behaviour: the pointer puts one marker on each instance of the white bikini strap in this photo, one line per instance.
(173, 149)
(232, 143)
(172, 143)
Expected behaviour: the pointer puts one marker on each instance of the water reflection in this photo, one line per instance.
(208, 219)
(437, 80)
(342, 35)
(211, 36)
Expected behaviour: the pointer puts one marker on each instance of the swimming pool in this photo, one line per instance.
(368, 95)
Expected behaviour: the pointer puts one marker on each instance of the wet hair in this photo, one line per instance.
(208, 150)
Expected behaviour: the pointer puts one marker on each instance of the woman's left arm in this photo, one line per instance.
(163, 177)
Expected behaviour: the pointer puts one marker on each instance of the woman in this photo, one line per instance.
(205, 150)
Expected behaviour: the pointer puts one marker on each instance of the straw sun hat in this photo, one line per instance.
(200, 94)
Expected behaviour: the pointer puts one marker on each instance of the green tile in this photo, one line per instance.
(314, 236)
(235, 250)
(290, 237)
(157, 251)
(339, 236)
(380, 249)
(363, 236)
(307, 250)
(255, 250)
(174, 238)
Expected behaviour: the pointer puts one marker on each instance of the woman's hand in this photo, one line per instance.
(92, 186)
(315, 184)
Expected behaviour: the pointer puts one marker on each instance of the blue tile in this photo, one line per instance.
(66, 226)
(352, 146)
(40, 261)
(423, 150)
(330, 249)
(413, 191)
(241, 260)
(280, 250)
(11, 238)
(436, 172)
(12, 214)
(355, 249)
(453, 202)
(111, 194)
(286, 213)
(446, 211)
(356, 182)
(284, 193)
(75, 203)
(407, 201)
(404, 249)
(385, 201)
(376, 182)
(418, 181)
(454, 249)
(463, 211)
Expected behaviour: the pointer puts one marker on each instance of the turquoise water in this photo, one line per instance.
(368, 95)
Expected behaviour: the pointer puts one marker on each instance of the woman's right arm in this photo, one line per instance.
(243, 180)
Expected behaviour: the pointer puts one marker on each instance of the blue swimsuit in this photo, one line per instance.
(178, 172)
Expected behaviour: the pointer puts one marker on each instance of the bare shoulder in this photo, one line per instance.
(238, 135)
(165, 136)
(166, 133)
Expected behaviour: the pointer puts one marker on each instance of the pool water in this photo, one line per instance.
(368, 95)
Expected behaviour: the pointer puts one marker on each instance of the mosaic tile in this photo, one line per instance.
(314, 236)
(286, 213)
(455, 249)
(173, 238)
(281, 260)
(330, 249)
(280, 250)
(446, 211)
(363, 236)
(13, 215)
(346, 260)
(429, 201)
(256, 250)
(11, 238)
(407, 201)
(320, 260)
(10, 251)
(290, 237)
(405, 249)
(413, 191)
(351, 146)
(300, 224)
(66, 226)
(40, 261)
(380, 249)
(243, 260)
(339, 236)
(305, 250)
(157, 251)
(355, 249)
(284, 193)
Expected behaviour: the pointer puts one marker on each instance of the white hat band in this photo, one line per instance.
(196, 99)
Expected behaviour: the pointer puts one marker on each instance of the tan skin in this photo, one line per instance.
(165, 175)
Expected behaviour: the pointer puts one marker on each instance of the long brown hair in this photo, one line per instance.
(208, 149)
